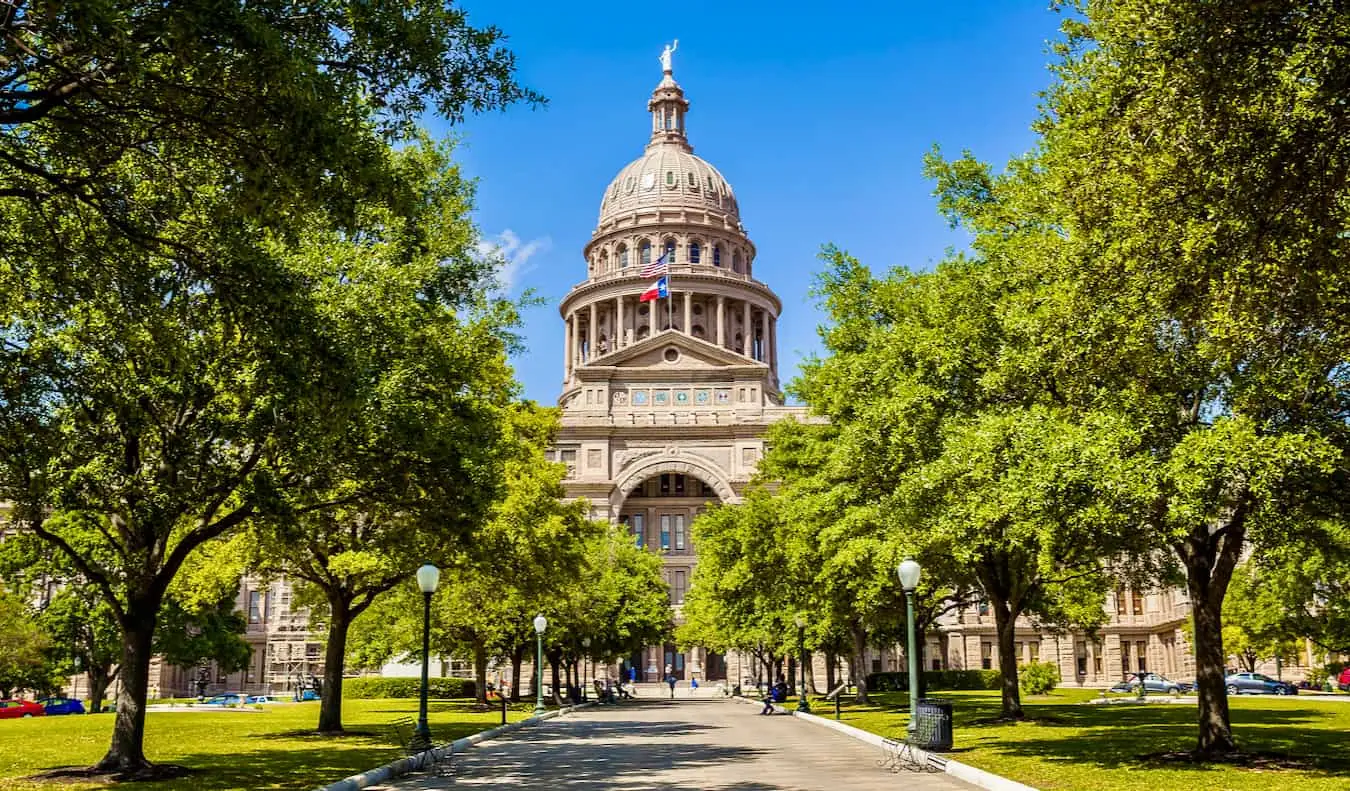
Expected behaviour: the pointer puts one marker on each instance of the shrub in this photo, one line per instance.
(1038, 678)
(937, 679)
(380, 687)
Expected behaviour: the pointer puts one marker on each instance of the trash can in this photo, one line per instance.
(933, 724)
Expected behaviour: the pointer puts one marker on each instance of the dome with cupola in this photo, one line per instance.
(668, 177)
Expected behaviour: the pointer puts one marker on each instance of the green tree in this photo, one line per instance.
(1193, 169)
(1253, 624)
(1307, 586)
(23, 653)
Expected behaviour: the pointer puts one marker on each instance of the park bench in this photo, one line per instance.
(903, 755)
(438, 762)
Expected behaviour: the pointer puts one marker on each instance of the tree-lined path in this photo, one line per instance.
(685, 744)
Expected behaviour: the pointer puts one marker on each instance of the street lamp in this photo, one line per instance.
(586, 656)
(428, 577)
(540, 624)
(909, 580)
(803, 705)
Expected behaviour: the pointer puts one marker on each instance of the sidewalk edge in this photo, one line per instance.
(414, 762)
(976, 777)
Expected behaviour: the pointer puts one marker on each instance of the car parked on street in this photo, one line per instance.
(14, 709)
(1152, 683)
(54, 706)
(227, 699)
(1257, 684)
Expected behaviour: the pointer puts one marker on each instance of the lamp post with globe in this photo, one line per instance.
(909, 581)
(540, 624)
(428, 577)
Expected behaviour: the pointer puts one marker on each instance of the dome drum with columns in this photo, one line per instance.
(665, 403)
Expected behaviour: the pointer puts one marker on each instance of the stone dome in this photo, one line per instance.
(668, 176)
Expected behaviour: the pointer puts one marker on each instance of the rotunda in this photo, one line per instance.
(665, 400)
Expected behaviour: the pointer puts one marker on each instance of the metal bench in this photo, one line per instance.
(438, 761)
(896, 756)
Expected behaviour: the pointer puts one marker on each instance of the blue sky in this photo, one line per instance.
(818, 120)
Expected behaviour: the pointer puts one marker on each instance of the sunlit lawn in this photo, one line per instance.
(1069, 745)
(271, 749)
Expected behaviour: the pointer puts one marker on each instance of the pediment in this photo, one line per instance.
(690, 354)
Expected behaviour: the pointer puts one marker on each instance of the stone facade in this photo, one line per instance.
(665, 402)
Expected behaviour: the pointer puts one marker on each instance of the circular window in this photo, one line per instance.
(671, 354)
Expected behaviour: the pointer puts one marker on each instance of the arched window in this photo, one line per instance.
(604, 261)
(670, 178)
(736, 261)
(645, 254)
(693, 182)
(694, 252)
(670, 251)
(717, 255)
(710, 186)
(623, 256)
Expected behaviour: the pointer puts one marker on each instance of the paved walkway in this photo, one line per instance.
(688, 745)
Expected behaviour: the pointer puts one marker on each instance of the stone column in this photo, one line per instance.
(748, 332)
(618, 323)
(567, 347)
(688, 303)
(590, 335)
(771, 346)
(721, 321)
(764, 336)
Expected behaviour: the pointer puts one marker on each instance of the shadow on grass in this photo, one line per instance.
(1158, 736)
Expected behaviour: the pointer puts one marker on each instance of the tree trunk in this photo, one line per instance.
(858, 661)
(1005, 621)
(830, 675)
(126, 754)
(480, 663)
(809, 674)
(334, 659)
(1208, 571)
(554, 659)
(517, 657)
(99, 679)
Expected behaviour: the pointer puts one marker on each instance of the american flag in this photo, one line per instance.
(657, 267)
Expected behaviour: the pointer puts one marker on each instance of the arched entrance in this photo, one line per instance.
(656, 505)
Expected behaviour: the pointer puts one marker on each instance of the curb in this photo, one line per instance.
(966, 772)
(414, 762)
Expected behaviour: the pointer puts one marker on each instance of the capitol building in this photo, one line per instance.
(665, 402)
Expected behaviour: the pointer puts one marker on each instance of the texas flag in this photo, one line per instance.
(658, 290)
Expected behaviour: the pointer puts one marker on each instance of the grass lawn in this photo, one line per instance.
(1087, 747)
(271, 749)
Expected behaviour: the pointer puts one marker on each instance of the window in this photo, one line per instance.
(670, 251)
(692, 181)
(670, 178)
(665, 483)
(1120, 600)
(1124, 656)
(937, 664)
(987, 656)
(1080, 651)
(633, 525)
(623, 256)
(717, 255)
(665, 531)
(679, 531)
(679, 484)
(1097, 657)
(254, 606)
(645, 253)
(1141, 654)
(694, 253)
(270, 608)
(312, 652)
(736, 261)
(679, 587)
(1017, 652)
(710, 184)
(1137, 600)
(1035, 648)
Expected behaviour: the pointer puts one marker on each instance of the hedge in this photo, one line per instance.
(937, 679)
(380, 687)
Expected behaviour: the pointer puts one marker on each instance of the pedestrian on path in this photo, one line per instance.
(670, 679)
(693, 686)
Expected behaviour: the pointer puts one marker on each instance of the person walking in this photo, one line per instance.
(670, 679)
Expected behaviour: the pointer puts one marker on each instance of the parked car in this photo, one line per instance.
(1343, 680)
(1257, 684)
(1152, 683)
(227, 699)
(55, 706)
(14, 709)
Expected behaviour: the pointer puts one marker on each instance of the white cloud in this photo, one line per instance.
(515, 255)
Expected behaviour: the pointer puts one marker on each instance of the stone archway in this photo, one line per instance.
(671, 461)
